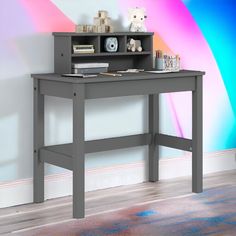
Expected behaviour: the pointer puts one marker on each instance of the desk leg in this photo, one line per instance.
(38, 180)
(78, 151)
(154, 130)
(197, 153)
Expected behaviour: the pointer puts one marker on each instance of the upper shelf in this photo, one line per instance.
(103, 34)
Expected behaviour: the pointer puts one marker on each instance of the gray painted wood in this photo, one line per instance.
(126, 77)
(57, 158)
(38, 171)
(56, 89)
(140, 87)
(61, 155)
(62, 54)
(120, 88)
(153, 130)
(127, 85)
(117, 143)
(197, 153)
(108, 54)
(120, 60)
(102, 34)
(174, 142)
(78, 153)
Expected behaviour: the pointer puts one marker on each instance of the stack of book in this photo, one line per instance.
(83, 49)
(89, 68)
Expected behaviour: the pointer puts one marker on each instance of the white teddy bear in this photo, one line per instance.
(137, 17)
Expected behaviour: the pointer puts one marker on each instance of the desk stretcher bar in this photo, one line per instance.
(61, 155)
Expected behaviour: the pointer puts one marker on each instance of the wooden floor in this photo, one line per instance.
(17, 220)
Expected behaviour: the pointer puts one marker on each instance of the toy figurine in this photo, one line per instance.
(134, 45)
(137, 18)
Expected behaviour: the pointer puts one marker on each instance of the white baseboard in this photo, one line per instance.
(20, 191)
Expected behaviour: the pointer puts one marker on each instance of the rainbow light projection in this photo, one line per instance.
(217, 20)
(201, 32)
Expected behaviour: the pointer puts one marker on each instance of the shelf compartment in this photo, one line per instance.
(122, 61)
(121, 43)
(115, 63)
(146, 41)
(86, 40)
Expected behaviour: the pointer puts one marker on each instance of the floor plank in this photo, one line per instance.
(15, 219)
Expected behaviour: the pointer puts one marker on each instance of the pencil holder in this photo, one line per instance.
(171, 63)
(159, 64)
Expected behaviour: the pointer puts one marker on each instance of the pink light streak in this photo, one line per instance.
(47, 17)
(176, 26)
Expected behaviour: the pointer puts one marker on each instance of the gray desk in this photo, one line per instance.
(72, 156)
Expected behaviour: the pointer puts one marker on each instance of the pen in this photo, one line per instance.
(110, 74)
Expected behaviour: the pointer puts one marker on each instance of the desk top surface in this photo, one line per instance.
(124, 77)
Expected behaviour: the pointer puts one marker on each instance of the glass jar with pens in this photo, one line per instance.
(165, 62)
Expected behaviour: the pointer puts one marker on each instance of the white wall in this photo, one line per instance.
(23, 51)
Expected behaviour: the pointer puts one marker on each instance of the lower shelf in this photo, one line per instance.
(102, 54)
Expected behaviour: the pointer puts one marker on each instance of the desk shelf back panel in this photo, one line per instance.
(64, 56)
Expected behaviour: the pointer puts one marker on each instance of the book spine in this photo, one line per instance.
(89, 65)
(89, 70)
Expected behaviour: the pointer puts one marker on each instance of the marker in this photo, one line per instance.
(159, 54)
